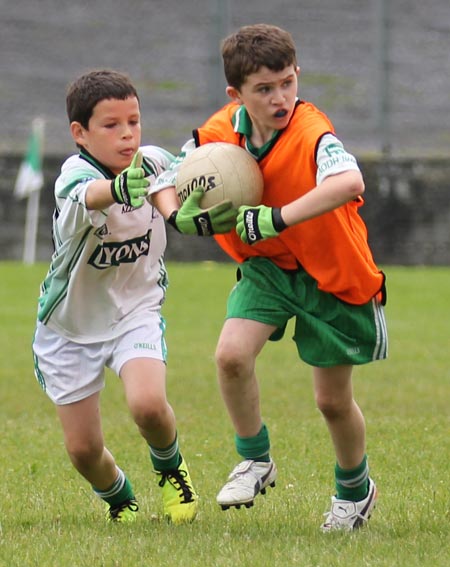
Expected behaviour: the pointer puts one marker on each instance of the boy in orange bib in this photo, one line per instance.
(302, 254)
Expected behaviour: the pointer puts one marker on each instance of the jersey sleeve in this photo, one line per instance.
(333, 158)
(70, 196)
(156, 161)
(168, 178)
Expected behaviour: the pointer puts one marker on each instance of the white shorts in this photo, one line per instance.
(69, 372)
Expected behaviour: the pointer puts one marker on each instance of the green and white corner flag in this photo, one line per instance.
(30, 177)
(29, 182)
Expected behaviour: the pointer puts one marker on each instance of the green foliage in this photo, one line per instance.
(50, 518)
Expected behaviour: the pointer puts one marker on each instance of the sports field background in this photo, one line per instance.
(50, 518)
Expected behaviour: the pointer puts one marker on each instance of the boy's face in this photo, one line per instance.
(269, 97)
(114, 133)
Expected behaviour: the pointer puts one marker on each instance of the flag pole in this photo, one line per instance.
(31, 228)
(33, 198)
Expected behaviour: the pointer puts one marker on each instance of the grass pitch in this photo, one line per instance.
(49, 517)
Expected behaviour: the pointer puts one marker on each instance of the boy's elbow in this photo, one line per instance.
(356, 184)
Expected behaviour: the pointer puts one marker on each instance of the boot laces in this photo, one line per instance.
(177, 478)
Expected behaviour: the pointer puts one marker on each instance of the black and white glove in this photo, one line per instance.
(258, 223)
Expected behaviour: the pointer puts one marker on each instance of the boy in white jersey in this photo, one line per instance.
(100, 303)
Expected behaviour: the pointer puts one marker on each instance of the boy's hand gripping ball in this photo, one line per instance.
(192, 219)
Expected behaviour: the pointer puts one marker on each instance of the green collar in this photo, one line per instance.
(84, 154)
(243, 125)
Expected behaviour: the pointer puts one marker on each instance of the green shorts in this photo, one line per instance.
(328, 331)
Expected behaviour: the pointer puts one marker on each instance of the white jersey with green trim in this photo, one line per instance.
(107, 271)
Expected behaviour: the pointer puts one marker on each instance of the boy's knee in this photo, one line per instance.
(84, 452)
(333, 407)
(231, 361)
(151, 414)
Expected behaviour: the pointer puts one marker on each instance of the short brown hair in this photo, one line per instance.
(93, 87)
(253, 47)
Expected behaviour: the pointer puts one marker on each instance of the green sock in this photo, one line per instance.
(352, 484)
(256, 448)
(166, 459)
(118, 492)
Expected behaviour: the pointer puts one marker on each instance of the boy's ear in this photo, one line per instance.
(77, 131)
(233, 94)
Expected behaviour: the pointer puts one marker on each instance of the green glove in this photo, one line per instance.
(259, 223)
(130, 186)
(192, 219)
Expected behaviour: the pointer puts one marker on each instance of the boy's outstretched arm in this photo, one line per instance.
(258, 223)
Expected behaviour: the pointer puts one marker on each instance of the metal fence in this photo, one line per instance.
(379, 69)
